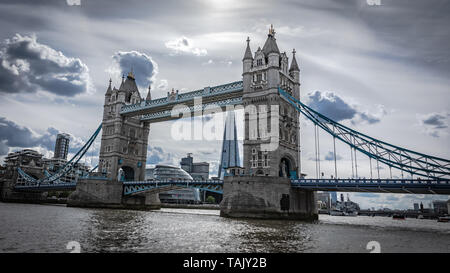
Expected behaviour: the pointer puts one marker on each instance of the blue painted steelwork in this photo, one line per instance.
(215, 91)
(47, 187)
(90, 171)
(54, 178)
(57, 185)
(93, 169)
(192, 109)
(414, 186)
(411, 186)
(136, 187)
(391, 155)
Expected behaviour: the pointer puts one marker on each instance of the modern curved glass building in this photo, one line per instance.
(167, 172)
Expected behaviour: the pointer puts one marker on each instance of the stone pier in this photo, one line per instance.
(8, 194)
(266, 197)
(102, 193)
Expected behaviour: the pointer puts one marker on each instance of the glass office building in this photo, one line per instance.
(171, 173)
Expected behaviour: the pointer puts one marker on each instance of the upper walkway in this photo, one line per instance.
(410, 186)
(161, 109)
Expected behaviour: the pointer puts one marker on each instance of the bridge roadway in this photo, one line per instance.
(161, 109)
(409, 186)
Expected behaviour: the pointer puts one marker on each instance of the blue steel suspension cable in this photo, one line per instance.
(308, 112)
(442, 169)
(69, 164)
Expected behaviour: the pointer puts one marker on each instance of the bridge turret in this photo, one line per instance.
(124, 139)
(269, 71)
(149, 95)
(247, 64)
(123, 81)
(108, 93)
(109, 90)
(248, 59)
(272, 53)
(294, 72)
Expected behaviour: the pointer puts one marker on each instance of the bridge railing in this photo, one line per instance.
(162, 182)
(138, 187)
(192, 109)
(48, 187)
(355, 181)
(211, 91)
(362, 181)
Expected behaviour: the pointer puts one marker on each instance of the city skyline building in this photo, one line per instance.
(198, 170)
(167, 172)
(440, 206)
(62, 146)
(230, 149)
(333, 195)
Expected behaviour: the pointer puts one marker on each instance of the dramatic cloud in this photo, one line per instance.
(330, 156)
(334, 107)
(184, 45)
(434, 123)
(143, 66)
(13, 135)
(28, 66)
(156, 155)
(370, 118)
(331, 105)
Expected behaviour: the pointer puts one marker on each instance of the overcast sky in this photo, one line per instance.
(382, 70)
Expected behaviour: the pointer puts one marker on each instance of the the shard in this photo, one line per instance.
(230, 149)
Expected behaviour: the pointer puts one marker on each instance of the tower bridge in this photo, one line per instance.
(158, 110)
(270, 182)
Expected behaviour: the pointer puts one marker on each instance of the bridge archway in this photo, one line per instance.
(286, 167)
(128, 173)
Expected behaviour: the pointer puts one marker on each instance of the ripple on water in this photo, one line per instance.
(43, 228)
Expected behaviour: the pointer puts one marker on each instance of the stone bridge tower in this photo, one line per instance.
(124, 139)
(262, 75)
(271, 153)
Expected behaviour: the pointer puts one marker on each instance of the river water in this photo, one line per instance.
(49, 228)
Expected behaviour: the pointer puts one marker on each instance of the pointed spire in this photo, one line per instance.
(129, 83)
(123, 81)
(270, 45)
(294, 65)
(248, 52)
(230, 151)
(109, 87)
(149, 95)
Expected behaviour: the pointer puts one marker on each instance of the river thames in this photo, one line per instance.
(49, 228)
